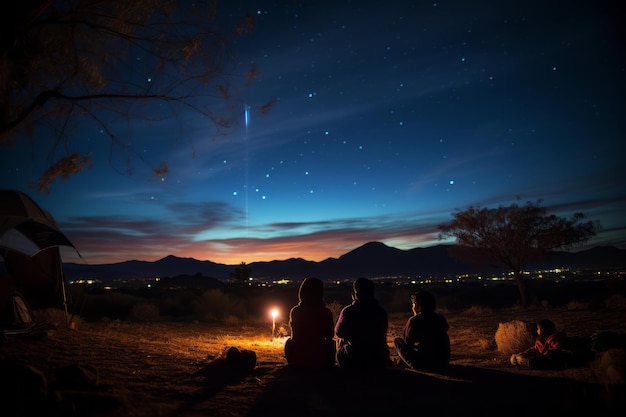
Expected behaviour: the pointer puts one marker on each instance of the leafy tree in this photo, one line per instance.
(70, 62)
(242, 273)
(514, 236)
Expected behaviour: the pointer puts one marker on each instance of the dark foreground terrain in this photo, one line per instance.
(170, 369)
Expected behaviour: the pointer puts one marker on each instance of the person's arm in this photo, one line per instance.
(522, 357)
(533, 350)
(411, 331)
(330, 324)
(556, 342)
(340, 326)
(293, 321)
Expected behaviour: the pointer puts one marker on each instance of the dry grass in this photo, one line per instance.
(514, 336)
(158, 368)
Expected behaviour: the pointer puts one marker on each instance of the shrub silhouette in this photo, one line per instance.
(615, 302)
(515, 336)
(335, 307)
(611, 367)
(145, 312)
(216, 305)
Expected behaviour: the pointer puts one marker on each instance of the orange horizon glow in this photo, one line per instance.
(247, 251)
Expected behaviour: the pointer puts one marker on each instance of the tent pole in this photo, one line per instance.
(67, 322)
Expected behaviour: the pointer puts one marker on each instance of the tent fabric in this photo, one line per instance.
(17, 313)
(25, 226)
(17, 317)
(18, 320)
(37, 277)
(29, 246)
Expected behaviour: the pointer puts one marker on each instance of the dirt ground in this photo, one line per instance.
(165, 369)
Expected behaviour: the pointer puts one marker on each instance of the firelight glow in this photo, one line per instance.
(274, 314)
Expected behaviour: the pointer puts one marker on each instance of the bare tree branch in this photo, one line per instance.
(62, 60)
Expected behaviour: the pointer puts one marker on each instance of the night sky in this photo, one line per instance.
(387, 117)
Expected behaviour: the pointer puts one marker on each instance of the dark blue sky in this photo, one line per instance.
(388, 116)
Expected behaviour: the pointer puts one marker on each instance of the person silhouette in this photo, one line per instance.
(425, 343)
(549, 350)
(312, 343)
(361, 330)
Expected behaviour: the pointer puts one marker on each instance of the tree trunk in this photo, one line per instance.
(521, 286)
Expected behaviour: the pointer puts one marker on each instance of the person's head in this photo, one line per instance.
(545, 328)
(311, 291)
(363, 288)
(423, 301)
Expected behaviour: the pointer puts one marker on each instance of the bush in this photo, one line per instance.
(399, 301)
(282, 331)
(335, 307)
(486, 344)
(144, 312)
(515, 336)
(478, 311)
(112, 304)
(615, 302)
(53, 316)
(178, 302)
(215, 305)
(577, 305)
(611, 367)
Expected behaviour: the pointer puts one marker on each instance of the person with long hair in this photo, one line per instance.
(312, 343)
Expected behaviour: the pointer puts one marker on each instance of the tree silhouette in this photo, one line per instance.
(77, 62)
(513, 236)
(242, 273)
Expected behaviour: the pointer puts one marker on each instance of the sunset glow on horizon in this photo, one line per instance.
(386, 119)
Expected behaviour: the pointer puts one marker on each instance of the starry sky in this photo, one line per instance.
(386, 118)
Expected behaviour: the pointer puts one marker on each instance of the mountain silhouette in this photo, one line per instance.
(371, 260)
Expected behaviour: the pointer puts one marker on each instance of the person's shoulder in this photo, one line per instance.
(381, 311)
(441, 317)
(346, 309)
(295, 311)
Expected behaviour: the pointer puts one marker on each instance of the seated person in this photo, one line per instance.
(311, 344)
(548, 352)
(425, 344)
(362, 330)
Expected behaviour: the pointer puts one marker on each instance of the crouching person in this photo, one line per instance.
(549, 350)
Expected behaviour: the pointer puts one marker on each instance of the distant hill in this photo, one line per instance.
(372, 260)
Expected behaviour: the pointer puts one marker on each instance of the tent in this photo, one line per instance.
(29, 245)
